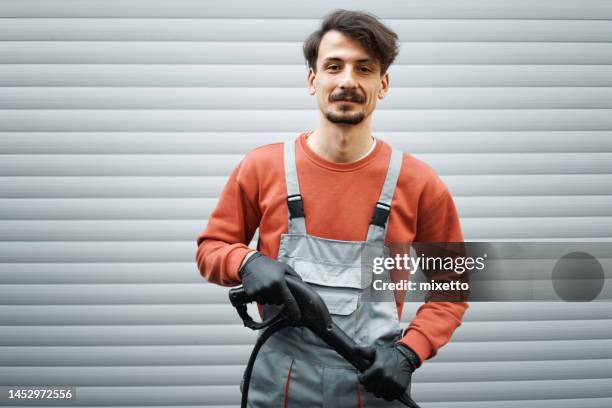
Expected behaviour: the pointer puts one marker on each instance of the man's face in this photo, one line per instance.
(348, 80)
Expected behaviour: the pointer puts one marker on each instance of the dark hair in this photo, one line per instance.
(377, 39)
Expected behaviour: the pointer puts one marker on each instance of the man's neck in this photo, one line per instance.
(341, 144)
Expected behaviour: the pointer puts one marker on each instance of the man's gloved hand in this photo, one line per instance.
(391, 373)
(263, 280)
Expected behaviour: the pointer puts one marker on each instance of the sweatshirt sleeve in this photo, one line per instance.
(435, 322)
(223, 244)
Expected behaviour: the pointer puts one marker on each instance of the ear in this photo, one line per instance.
(310, 81)
(384, 86)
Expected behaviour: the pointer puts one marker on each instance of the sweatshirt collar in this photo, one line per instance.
(321, 162)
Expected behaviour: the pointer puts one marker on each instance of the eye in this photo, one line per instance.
(364, 69)
(333, 67)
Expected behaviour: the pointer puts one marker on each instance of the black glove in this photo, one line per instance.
(263, 280)
(391, 373)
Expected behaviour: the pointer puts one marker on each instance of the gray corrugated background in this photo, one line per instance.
(120, 121)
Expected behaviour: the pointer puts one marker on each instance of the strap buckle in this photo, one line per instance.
(295, 205)
(380, 214)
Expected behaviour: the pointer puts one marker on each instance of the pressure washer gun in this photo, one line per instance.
(314, 315)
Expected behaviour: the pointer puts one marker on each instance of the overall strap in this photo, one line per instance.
(378, 224)
(295, 204)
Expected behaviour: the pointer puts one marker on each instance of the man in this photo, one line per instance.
(317, 200)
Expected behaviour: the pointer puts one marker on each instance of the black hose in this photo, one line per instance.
(246, 378)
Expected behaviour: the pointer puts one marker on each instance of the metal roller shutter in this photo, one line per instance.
(118, 131)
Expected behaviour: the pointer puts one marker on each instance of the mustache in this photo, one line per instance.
(347, 96)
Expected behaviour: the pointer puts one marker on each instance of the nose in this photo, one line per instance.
(347, 80)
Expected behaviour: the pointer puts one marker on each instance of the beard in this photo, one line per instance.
(346, 118)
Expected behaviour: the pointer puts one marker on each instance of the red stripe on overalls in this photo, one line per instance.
(287, 384)
(358, 395)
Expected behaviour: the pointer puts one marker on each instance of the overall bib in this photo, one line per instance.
(295, 368)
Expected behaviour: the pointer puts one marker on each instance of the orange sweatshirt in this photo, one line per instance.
(338, 200)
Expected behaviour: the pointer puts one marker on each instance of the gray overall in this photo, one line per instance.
(294, 367)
